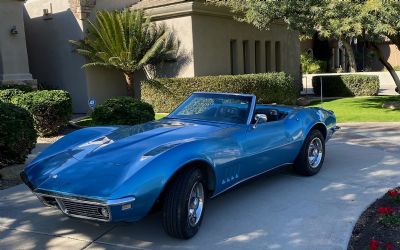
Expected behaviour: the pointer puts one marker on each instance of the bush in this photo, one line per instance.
(166, 93)
(23, 88)
(51, 109)
(346, 85)
(7, 94)
(122, 111)
(17, 134)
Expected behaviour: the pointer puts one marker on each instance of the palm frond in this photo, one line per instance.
(125, 40)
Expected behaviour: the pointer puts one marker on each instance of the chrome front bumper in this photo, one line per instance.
(83, 208)
(77, 208)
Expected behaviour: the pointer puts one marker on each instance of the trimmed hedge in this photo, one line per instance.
(51, 109)
(166, 93)
(122, 111)
(7, 94)
(23, 88)
(346, 85)
(17, 134)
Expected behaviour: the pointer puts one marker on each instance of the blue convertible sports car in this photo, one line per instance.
(210, 143)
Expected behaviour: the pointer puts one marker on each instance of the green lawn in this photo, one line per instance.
(88, 122)
(362, 109)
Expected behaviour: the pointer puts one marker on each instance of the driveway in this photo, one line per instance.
(276, 211)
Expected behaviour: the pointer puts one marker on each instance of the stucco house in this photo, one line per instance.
(14, 68)
(211, 43)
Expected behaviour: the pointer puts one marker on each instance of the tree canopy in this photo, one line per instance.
(371, 20)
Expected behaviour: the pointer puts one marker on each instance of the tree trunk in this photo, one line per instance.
(130, 86)
(385, 63)
(395, 39)
(352, 59)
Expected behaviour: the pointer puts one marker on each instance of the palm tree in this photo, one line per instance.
(126, 41)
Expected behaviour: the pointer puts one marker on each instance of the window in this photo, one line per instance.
(246, 59)
(268, 56)
(215, 107)
(234, 66)
(257, 56)
(278, 56)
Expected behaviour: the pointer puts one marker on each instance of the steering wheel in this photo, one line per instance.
(228, 113)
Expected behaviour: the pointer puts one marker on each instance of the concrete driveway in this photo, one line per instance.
(275, 211)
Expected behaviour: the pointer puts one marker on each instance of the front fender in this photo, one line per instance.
(147, 184)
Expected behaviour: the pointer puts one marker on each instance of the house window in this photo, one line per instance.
(234, 61)
(268, 56)
(278, 60)
(257, 56)
(246, 57)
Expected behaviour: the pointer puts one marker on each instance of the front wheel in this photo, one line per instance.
(312, 154)
(184, 204)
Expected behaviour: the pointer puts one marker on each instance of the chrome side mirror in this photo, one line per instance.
(260, 118)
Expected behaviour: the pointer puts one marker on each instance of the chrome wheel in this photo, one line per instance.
(195, 204)
(315, 152)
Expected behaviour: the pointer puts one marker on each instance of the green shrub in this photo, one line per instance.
(17, 134)
(346, 85)
(51, 109)
(166, 93)
(7, 94)
(122, 111)
(23, 88)
(311, 66)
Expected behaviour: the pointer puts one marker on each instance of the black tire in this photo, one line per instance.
(302, 164)
(176, 204)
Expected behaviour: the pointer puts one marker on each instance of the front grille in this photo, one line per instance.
(83, 209)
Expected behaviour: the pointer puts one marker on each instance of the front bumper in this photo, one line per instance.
(85, 208)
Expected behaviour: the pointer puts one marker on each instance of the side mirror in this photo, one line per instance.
(260, 118)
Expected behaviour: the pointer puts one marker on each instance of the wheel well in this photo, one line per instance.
(203, 166)
(321, 127)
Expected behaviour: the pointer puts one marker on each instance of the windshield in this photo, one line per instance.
(215, 107)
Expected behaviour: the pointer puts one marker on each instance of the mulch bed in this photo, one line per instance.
(379, 226)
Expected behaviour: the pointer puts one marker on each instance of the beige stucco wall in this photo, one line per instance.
(212, 36)
(13, 54)
(51, 59)
(51, 56)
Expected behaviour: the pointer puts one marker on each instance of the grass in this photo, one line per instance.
(88, 122)
(362, 109)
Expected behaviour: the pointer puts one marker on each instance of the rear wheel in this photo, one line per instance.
(184, 204)
(312, 154)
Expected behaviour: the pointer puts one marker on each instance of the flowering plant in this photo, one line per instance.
(388, 216)
(394, 194)
(385, 210)
(376, 245)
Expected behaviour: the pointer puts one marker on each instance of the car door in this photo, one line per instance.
(271, 144)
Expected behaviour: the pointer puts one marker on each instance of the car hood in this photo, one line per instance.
(97, 167)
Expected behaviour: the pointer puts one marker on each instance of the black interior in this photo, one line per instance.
(272, 114)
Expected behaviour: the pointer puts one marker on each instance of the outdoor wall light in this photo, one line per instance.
(14, 31)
